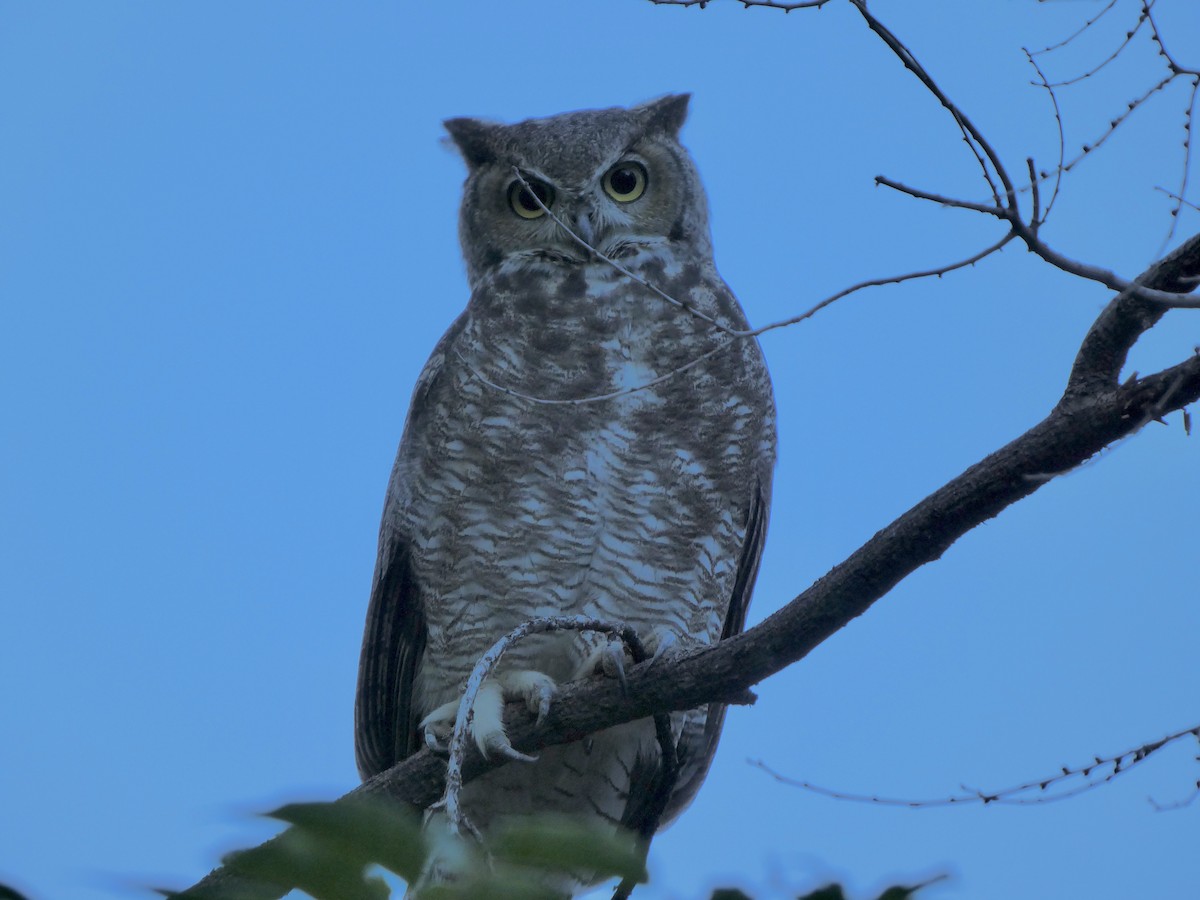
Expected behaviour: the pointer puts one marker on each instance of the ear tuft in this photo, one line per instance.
(473, 139)
(667, 114)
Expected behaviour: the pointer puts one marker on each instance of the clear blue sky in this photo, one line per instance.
(227, 245)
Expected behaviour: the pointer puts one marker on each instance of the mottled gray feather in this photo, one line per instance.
(575, 445)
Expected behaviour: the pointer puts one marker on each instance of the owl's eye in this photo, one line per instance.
(521, 198)
(625, 182)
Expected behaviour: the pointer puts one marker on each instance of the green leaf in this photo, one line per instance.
(297, 859)
(563, 843)
(371, 830)
(494, 885)
(829, 892)
(900, 892)
(730, 894)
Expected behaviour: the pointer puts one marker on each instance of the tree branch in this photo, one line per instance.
(1095, 410)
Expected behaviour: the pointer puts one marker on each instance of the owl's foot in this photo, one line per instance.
(487, 728)
(606, 658)
(609, 654)
(662, 643)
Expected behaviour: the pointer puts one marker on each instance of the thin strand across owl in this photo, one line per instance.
(647, 507)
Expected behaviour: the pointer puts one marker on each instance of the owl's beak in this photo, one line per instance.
(584, 227)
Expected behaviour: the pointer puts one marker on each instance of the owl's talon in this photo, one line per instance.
(543, 707)
(490, 737)
(497, 743)
(436, 746)
(665, 643)
(608, 659)
(536, 689)
(437, 729)
(614, 659)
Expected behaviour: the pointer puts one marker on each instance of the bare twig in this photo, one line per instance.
(1088, 73)
(731, 332)
(1006, 207)
(1189, 120)
(936, 272)
(1034, 178)
(1101, 770)
(984, 154)
(1178, 199)
(1145, 24)
(1086, 25)
(999, 212)
(691, 310)
(1028, 236)
(749, 4)
(1116, 123)
(782, 323)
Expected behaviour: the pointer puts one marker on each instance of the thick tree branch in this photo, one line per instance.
(1095, 411)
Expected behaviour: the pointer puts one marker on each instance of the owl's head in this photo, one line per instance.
(619, 178)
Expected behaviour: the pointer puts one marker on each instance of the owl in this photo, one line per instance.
(591, 437)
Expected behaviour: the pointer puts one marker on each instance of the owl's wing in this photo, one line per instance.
(385, 716)
(386, 712)
(698, 745)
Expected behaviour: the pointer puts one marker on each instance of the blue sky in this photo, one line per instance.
(227, 244)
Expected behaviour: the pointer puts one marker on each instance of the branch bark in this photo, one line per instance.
(1095, 410)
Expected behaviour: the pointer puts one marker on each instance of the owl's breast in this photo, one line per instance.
(587, 448)
(573, 332)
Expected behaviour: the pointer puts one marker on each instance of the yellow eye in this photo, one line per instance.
(521, 198)
(625, 182)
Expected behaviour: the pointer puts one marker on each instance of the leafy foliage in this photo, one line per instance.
(896, 892)
(336, 851)
(830, 892)
(333, 851)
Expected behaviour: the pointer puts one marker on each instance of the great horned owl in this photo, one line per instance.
(578, 443)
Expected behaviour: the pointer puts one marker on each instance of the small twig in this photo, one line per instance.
(936, 272)
(1177, 198)
(980, 147)
(1088, 73)
(1035, 220)
(1062, 146)
(1189, 114)
(1156, 36)
(1035, 244)
(1189, 118)
(1086, 25)
(1116, 123)
(1111, 767)
(999, 212)
(1174, 70)
(620, 268)
(730, 332)
(755, 332)
(748, 4)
